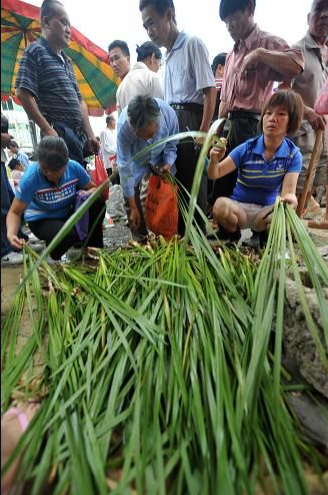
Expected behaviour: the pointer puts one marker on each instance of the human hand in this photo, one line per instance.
(135, 218)
(318, 122)
(93, 145)
(6, 139)
(49, 131)
(217, 154)
(290, 199)
(250, 61)
(15, 242)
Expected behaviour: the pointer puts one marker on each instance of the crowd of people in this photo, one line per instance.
(266, 89)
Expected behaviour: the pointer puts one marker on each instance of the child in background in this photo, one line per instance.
(17, 170)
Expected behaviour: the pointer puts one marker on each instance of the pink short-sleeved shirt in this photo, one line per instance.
(249, 93)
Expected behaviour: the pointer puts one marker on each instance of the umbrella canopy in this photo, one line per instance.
(20, 25)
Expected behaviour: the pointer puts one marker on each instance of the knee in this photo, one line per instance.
(221, 209)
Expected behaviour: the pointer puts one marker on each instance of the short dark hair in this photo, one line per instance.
(13, 163)
(142, 110)
(109, 118)
(229, 7)
(48, 9)
(120, 44)
(52, 152)
(160, 6)
(292, 102)
(218, 60)
(146, 50)
(13, 144)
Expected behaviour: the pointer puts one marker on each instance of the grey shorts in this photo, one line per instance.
(252, 210)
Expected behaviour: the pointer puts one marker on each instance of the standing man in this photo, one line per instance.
(47, 87)
(142, 78)
(308, 85)
(119, 60)
(188, 87)
(108, 144)
(256, 61)
(218, 65)
(144, 121)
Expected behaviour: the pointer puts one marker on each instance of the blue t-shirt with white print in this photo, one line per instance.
(44, 199)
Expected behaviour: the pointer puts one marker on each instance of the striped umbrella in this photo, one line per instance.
(20, 25)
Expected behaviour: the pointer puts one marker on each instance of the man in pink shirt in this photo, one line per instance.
(256, 61)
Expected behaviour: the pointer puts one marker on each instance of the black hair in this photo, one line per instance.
(229, 7)
(48, 9)
(146, 50)
(218, 60)
(292, 102)
(52, 153)
(142, 110)
(13, 144)
(120, 44)
(160, 6)
(13, 163)
(109, 118)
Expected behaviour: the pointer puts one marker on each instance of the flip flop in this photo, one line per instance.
(320, 223)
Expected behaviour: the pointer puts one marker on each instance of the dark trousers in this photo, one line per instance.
(186, 165)
(243, 128)
(75, 141)
(7, 196)
(48, 228)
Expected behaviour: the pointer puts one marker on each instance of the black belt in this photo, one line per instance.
(189, 107)
(240, 114)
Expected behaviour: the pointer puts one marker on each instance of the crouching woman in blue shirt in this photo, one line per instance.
(47, 194)
(267, 166)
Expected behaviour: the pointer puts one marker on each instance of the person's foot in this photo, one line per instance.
(319, 223)
(12, 258)
(225, 235)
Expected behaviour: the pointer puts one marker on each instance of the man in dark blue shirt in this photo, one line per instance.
(47, 87)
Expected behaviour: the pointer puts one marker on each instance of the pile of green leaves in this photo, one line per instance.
(163, 368)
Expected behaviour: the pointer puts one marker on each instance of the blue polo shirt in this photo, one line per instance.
(44, 199)
(260, 181)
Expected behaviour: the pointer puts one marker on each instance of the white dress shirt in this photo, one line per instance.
(139, 81)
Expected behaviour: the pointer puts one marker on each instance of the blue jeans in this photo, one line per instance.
(7, 196)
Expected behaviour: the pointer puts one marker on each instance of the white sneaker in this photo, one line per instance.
(12, 258)
(37, 247)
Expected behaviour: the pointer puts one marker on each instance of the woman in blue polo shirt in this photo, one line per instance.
(267, 165)
(47, 195)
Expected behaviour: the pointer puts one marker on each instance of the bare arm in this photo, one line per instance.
(209, 106)
(217, 169)
(223, 110)
(318, 122)
(92, 141)
(31, 108)
(281, 62)
(288, 192)
(13, 221)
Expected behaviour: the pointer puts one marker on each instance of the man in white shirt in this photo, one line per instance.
(108, 144)
(142, 79)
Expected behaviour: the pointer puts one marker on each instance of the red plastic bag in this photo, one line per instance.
(99, 176)
(161, 207)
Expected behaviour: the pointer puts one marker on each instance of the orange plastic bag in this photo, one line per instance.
(161, 207)
(99, 176)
